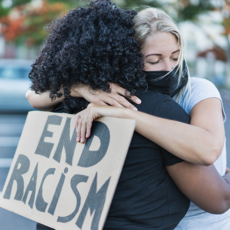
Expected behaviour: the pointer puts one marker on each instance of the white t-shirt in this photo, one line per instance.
(196, 218)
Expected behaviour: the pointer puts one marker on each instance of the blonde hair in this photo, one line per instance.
(151, 21)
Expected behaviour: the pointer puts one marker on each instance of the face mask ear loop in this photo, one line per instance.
(147, 88)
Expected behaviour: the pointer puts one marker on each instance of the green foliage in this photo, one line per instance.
(4, 11)
(19, 2)
(130, 4)
(191, 11)
(180, 10)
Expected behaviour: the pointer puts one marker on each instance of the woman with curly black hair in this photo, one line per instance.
(94, 46)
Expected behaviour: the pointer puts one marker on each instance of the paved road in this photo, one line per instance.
(10, 130)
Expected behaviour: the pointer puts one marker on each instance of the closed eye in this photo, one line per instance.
(153, 63)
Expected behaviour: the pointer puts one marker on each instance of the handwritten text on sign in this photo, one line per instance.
(63, 184)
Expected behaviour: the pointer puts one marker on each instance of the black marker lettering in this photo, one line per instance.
(89, 158)
(95, 202)
(57, 193)
(31, 187)
(66, 143)
(45, 148)
(40, 203)
(76, 179)
(24, 163)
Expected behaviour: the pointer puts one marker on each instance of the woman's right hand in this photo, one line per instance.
(117, 97)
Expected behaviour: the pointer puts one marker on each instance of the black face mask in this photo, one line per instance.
(158, 82)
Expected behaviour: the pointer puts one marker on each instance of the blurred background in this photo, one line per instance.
(204, 25)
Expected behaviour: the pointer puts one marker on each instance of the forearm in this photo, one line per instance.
(185, 141)
(226, 177)
(202, 185)
(42, 101)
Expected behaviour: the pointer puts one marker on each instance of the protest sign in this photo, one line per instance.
(63, 184)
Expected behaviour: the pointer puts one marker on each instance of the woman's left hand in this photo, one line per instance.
(86, 117)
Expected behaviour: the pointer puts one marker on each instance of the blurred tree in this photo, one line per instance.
(5, 9)
(24, 20)
(26, 23)
(190, 10)
(29, 23)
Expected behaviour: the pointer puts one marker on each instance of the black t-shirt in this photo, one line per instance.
(146, 197)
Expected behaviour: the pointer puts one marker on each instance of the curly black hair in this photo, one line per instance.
(92, 45)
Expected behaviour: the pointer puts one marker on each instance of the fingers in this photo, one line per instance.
(123, 102)
(114, 99)
(111, 100)
(117, 97)
(135, 100)
(107, 99)
(78, 124)
(81, 130)
(100, 103)
(84, 124)
(125, 93)
(88, 129)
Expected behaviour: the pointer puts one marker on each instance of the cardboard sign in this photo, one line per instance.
(63, 184)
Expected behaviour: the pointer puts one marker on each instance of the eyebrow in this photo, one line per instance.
(161, 54)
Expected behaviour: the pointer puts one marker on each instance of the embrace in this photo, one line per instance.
(100, 60)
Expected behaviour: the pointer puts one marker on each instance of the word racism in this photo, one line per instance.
(41, 184)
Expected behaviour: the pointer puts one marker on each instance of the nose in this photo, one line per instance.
(167, 66)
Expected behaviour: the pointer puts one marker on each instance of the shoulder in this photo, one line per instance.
(162, 105)
(169, 109)
(59, 108)
(201, 86)
(202, 89)
(151, 102)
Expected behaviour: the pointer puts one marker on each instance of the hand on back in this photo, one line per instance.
(116, 97)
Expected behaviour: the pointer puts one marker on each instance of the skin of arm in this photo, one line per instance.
(116, 97)
(42, 101)
(202, 185)
(201, 142)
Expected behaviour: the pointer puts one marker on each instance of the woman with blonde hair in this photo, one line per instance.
(202, 101)
(201, 142)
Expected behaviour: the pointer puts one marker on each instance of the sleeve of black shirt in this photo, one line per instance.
(58, 108)
(169, 109)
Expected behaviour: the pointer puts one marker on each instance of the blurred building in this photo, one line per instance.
(207, 50)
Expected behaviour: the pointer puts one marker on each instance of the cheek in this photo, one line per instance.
(174, 64)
